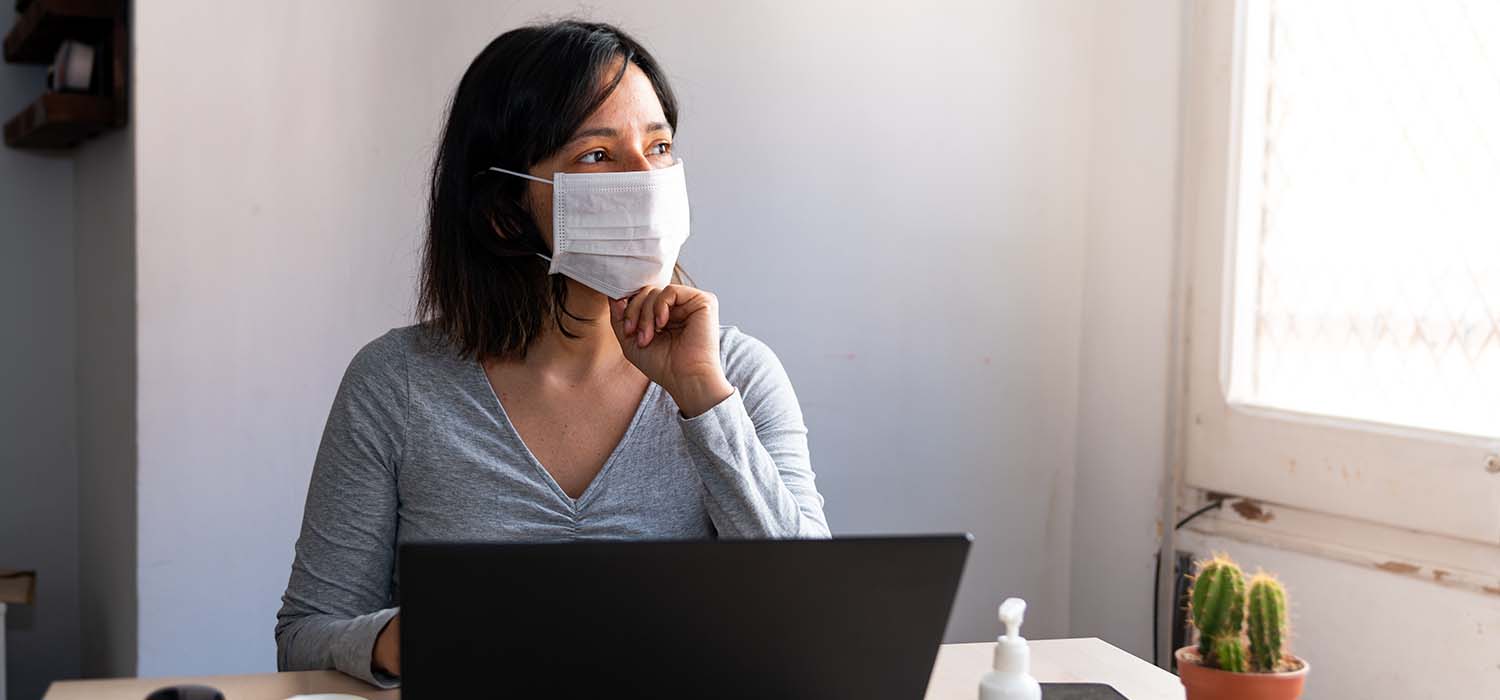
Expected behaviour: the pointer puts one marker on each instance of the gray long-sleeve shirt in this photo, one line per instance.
(418, 447)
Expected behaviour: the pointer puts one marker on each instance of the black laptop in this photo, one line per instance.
(858, 617)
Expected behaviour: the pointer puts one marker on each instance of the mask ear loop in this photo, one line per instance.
(512, 172)
(528, 177)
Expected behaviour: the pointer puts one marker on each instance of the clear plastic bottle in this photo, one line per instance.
(1011, 679)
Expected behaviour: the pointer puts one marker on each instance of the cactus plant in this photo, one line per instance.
(1230, 654)
(1218, 605)
(1266, 622)
(1242, 631)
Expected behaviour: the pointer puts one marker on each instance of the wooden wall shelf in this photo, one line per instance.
(17, 587)
(59, 120)
(46, 23)
(64, 119)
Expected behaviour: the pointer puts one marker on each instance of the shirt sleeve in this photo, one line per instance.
(338, 597)
(751, 450)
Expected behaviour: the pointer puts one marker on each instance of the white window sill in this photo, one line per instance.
(1440, 560)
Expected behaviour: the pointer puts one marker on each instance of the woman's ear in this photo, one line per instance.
(537, 201)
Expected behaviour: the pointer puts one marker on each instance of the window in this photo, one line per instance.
(1370, 250)
(1342, 200)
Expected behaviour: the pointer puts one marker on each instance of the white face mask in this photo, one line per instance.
(617, 232)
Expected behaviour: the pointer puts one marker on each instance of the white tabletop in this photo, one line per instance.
(955, 676)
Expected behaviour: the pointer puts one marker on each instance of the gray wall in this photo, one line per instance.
(105, 260)
(38, 460)
(891, 196)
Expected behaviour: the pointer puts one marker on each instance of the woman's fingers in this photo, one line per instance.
(645, 314)
(646, 318)
(632, 310)
(661, 310)
(688, 302)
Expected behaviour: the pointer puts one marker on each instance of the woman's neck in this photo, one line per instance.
(595, 349)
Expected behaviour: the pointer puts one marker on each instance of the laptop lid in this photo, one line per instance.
(858, 617)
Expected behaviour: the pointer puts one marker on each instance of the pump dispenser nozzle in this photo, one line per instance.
(1011, 679)
(1012, 613)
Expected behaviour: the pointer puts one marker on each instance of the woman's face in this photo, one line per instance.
(627, 132)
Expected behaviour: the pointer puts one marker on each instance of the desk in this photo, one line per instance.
(955, 676)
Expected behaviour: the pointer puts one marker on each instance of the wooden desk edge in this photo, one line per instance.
(955, 676)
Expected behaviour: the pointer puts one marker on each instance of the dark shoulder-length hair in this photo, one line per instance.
(483, 290)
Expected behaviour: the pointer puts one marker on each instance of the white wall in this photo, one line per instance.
(279, 198)
(912, 247)
(1125, 328)
(891, 196)
(38, 462)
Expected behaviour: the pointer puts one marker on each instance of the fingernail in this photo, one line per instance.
(629, 325)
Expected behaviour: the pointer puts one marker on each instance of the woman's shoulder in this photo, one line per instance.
(747, 360)
(395, 353)
(736, 344)
(392, 354)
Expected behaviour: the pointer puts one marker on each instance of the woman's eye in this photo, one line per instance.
(662, 148)
(592, 157)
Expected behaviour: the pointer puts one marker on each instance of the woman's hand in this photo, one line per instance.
(671, 334)
(385, 656)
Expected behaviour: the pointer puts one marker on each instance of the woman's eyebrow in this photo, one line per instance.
(611, 132)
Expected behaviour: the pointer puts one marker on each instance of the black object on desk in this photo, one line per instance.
(788, 619)
(1079, 691)
(186, 692)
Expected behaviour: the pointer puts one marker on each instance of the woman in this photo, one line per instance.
(558, 386)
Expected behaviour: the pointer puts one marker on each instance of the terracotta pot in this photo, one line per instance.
(1205, 683)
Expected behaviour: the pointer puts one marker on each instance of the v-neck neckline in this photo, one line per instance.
(576, 504)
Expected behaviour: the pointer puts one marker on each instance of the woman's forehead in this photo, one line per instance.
(632, 104)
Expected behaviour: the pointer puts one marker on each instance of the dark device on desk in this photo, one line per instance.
(854, 617)
(186, 692)
(1079, 691)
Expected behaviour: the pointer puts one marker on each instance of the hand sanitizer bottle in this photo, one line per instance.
(1011, 679)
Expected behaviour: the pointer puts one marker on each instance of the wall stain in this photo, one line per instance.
(1398, 567)
(1439, 574)
(1250, 510)
(1492, 590)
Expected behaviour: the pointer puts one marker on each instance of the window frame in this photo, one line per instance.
(1398, 477)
